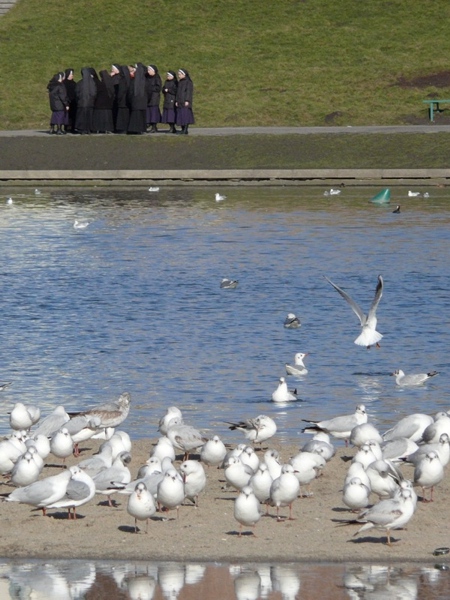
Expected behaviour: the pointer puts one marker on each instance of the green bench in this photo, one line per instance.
(433, 106)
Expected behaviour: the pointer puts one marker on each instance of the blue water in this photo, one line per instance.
(132, 302)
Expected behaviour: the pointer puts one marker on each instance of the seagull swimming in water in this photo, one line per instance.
(228, 284)
(298, 368)
(411, 380)
(80, 224)
(369, 335)
(219, 197)
(283, 394)
(397, 210)
(413, 194)
(292, 321)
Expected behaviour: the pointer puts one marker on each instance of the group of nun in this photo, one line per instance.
(125, 99)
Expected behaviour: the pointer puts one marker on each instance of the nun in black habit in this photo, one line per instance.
(59, 103)
(154, 85)
(103, 107)
(170, 93)
(71, 89)
(138, 98)
(183, 102)
(121, 111)
(86, 94)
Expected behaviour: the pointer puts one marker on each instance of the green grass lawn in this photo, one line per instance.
(258, 62)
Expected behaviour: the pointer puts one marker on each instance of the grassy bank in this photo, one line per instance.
(347, 151)
(253, 63)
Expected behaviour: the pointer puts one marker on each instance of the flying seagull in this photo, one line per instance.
(369, 335)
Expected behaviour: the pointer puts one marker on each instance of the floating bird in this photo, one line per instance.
(228, 284)
(292, 321)
(141, 505)
(411, 380)
(412, 194)
(247, 509)
(37, 192)
(369, 336)
(298, 368)
(10, 202)
(283, 394)
(80, 224)
(426, 195)
(397, 210)
(219, 197)
(4, 385)
(339, 427)
(153, 189)
(332, 192)
(258, 430)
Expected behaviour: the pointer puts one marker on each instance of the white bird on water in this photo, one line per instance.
(332, 192)
(10, 202)
(413, 379)
(369, 335)
(298, 368)
(283, 394)
(292, 321)
(220, 197)
(228, 284)
(412, 194)
(80, 224)
(153, 189)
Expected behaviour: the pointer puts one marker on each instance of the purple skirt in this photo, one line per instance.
(153, 114)
(185, 116)
(59, 117)
(168, 115)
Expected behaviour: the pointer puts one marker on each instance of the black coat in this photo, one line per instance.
(170, 93)
(86, 89)
(154, 89)
(58, 97)
(137, 93)
(185, 92)
(105, 92)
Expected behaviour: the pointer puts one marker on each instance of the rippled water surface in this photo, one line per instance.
(132, 302)
(76, 580)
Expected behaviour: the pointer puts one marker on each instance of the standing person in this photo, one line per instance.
(154, 85)
(138, 98)
(71, 89)
(183, 102)
(86, 93)
(59, 103)
(170, 93)
(120, 75)
(103, 107)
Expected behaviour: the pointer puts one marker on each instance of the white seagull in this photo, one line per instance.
(141, 505)
(153, 189)
(52, 422)
(247, 509)
(61, 444)
(428, 473)
(80, 224)
(283, 394)
(173, 412)
(114, 478)
(25, 471)
(298, 368)
(80, 489)
(213, 452)
(339, 427)
(259, 429)
(194, 479)
(412, 194)
(292, 321)
(284, 490)
(413, 379)
(355, 494)
(369, 335)
(42, 493)
(219, 197)
(111, 414)
(170, 491)
(23, 417)
(228, 284)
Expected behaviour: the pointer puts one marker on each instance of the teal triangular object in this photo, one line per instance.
(382, 197)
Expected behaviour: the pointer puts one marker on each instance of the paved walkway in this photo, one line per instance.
(387, 129)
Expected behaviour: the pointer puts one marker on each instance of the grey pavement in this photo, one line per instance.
(215, 131)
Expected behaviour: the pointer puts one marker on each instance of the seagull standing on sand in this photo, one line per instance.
(194, 479)
(23, 417)
(114, 478)
(369, 335)
(25, 471)
(213, 452)
(110, 414)
(428, 473)
(339, 427)
(170, 491)
(412, 380)
(355, 494)
(141, 505)
(247, 509)
(284, 490)
(52, 422)
(42, 493)
(257, 430)
(80, 489)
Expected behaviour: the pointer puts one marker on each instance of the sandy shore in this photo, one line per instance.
(210, 533)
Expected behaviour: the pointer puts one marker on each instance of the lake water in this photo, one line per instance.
(76, 580)
(132, 302)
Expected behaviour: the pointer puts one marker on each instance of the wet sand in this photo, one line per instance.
(210, 532)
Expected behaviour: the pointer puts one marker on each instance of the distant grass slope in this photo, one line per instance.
(253, 62)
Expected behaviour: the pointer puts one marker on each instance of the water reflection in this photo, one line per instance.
(77, 580)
